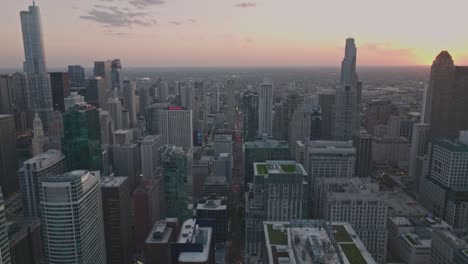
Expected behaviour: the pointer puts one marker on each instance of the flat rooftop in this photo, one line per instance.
(428, 222)
(314, 241)
(192, 233)
(109, 182)
(267, 143)
(278, 167)
(160, 233)
(211, 204)
(45, 159)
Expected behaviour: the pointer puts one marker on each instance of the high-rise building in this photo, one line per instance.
(21, 101)
(126, 162)
(443, 189)
(96, 93)
(59, 84)
(448, 246)
(117, 219)
(39, 141)
(187, 95)
(103, 69)
(150, 156)
(177, 170)
(199, 87)
(215, 99)
(77, 75)
(394, 150)
(446, 97)
(280, 193)
(327, 104)
(377, 113)
(222, 165)
(195, 244)
(265, 108)
(305, 123)
(130, 101)
(250, 115)
(6, 100)
(159, 240)
(152, 117)
(163, 90)
(418, 148)
(217, 186)
(35, 63)
(116, 78)
(175, 127)
(8, 162)
(82, 138)
(231, 102)
(25, 236)
(51, 162)
(348, 96)
(362, 142)
(72, 99)
(65, 199)
(115, 111)
(262, 150)
(216, 209)
(55, 129)
(4, 243)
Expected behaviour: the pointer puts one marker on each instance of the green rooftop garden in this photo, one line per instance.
(353, 254)
(341, 235)
(262, 169)
(288, 167)
(277, 237)
(411, 240)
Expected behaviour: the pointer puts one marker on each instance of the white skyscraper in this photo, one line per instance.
(114, 107)
(149, 155)
(130, 101)
(175, 126)
(265, 108)
(35, 63)
(72, 220)
(348, 96)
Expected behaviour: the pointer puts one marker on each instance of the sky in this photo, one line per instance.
(206, 33)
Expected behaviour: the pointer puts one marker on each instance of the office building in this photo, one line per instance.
(348, 96)
(163, 90)
(55, 129)
(148, 206)
(158, 243)
(39, 141)
(8, 163)
(216, 209)
(127, 162)
(59, 84)
(178, 181)
(152, 117)
(116, 75)
(117, 219)
(6, 101)
(96, 93)
(25, 240)
(377, 112)
(73, 99)
(394, 150)
(280, 193)
(215, 99)
(216, 186)
(35, 63)
(76, 75)
(222, 166)
(114, 107)
(327, 104)
(51, 162)
(362, 142)
(103, 69)
(130, 101)
(222, 144)
(262, 150)
(175, 127)
(265, 109)
(65, 198)
(418, 148)
(305, 123)
(123, 136)
(195, 244)
(187, 96)
(449, 246)
(250, 115)
(443, 189)
(313, 241)
(150, 156)
(446, 96)
(20, 100)
(4, 244)
(82, 138)
(231, 102)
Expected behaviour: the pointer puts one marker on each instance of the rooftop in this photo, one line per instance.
(160, 233)
(150, 139)
(192, 233)
(267, 143)
(109, 182)
(314, 241)
(278, 167)
(328, 146)
(45, 159)
(216, 180)
(211, 204)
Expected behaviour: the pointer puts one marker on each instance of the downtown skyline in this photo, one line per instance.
(178, 33)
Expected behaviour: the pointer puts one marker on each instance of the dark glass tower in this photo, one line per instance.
(250, 114)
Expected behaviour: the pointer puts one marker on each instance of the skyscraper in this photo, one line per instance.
(130, 101)
(126, 162)
(96, 93)
(21, 102)
(446, 105)
(175, 126)
(115, 111)
(4, 242)
(116, 78)
(265, 108)
(231, 102)
(150, 156)
(72, 200)
(82, 138)
(250, 114)
(6, 99)
(215, 98)
(187, 95)
(362, 142)
(35, 63)
(348, 96)
(178, 181)
(77, 75)
(39, 141)
(117, 219)
(103, 69)
(51, 162)
(8, 163)
(59, 83)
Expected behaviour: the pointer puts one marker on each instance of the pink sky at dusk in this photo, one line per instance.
(239, 33)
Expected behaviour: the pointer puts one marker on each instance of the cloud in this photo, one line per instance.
(141, 4)
(113, 16)
(191, 20)
(175, 23)
(246, 5)
(115, 33)
(386, 48)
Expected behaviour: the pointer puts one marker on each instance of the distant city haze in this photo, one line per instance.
(204, 33)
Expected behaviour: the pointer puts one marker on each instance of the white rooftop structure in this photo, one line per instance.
(192, 233)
